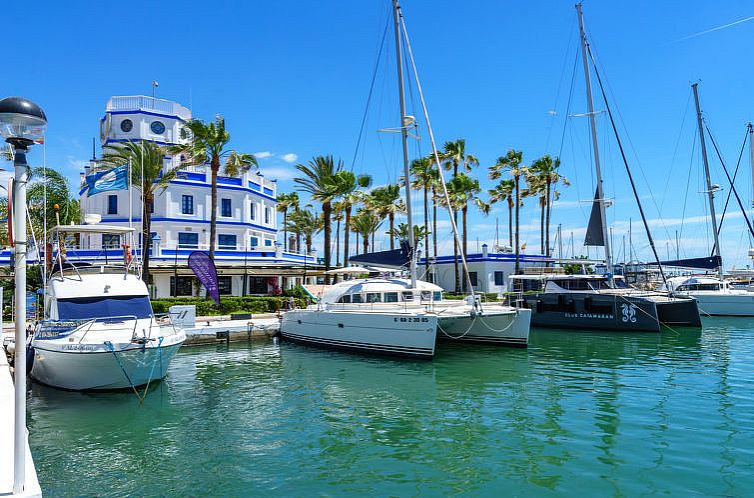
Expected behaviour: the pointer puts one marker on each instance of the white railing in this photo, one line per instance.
(142, 102)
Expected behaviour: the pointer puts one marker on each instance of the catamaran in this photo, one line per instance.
(99, 331)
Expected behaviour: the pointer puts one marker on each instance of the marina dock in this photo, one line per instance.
(210, 330)
(31, 489)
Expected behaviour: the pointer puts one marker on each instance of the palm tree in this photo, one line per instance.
(208, 144)
(148, 175)
(454, 155)
(425, 177)
(305, 223)
(365, 222)
(511, 162)
(320, 182)
(286, 202)
(57, 193)
(386, 201)
(338, 213)
(536, 188)
(350, 193)
(503, 191)
(401, 233)
(547, 169)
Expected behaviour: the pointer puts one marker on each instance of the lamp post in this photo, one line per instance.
(22, 122)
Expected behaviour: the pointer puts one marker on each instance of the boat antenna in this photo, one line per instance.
(710, 190)
(436, 157)
(406, 121)
(600, 198)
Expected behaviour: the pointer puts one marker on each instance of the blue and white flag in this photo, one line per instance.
(103, 181)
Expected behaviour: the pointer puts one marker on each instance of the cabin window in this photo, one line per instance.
(438, 296)
(345, 299)
(573, 284)
(85, 308)
(499, 278)
(391, 297)
(426, 295)
(408, 296)
(356, 298)
(187, 204)
(112, 204)
(110, 241)
(374, 297)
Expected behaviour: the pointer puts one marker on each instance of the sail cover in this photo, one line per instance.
(594, 235)
(706, 263)
(395, 258)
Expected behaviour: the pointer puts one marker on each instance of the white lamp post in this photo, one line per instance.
(22, 122)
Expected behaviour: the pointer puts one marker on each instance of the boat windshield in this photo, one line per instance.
(86, 308)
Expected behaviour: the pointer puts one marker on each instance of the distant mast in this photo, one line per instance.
(710, 192)
(593, 126)
(405, 122)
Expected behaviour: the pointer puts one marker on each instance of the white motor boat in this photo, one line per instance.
(99, 331)
(714, 296)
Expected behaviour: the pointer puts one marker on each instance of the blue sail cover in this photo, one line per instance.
(707, 263)
(396, 258)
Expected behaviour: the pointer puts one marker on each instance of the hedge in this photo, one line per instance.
(228, 305)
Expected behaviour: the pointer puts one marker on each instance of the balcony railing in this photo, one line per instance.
(144, 103)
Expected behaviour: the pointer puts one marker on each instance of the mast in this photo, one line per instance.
(710, 192)
(593, 127)
(751, 155)
(405, 123)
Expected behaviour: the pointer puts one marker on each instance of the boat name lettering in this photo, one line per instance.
(410, 319)
(80, 347)
(589, 315)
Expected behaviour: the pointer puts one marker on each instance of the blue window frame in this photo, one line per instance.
(253, 211)
(254, 241)
(112, 204)
(225, 208)
(187, 204)
(226, 241)
(188, 240)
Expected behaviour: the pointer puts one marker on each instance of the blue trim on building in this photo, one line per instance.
(105, 219)
(255, 186)
(226, 187)
(148, 113)
(511, 258)
(268, 191)
(122, 140)
(194, 177)
(227, 180)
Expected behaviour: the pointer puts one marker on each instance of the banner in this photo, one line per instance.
(204, 269)
(104, 181)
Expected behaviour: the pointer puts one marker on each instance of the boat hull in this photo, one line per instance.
(733, 304)
(679, 313)
(504, 327)
(380, 333)
(91, 367)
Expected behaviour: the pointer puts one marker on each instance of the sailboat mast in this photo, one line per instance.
(710, 192)
(593, 127)
(405, 123)
(751, 155)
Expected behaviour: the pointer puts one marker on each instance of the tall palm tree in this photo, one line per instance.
(305, 223)
(338, 213)
(320, 182)
(350, 193)
(46, 182)
(425, 176)
(286, 202)
(145, 158)
(511, 163)
(401, 233)
(536, 188)
(208, 144)
(387, 202)
(547, 169)
(454, 155)
(365, 222)
(503, 191)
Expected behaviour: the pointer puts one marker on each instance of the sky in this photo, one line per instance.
(292, 78)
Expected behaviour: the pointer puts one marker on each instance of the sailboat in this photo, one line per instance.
(715, 295)
(602, 302)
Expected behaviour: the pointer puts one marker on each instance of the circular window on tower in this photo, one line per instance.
(158, 128)
(184, 133)
(126, 125)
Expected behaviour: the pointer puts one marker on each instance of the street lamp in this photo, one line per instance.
(22, 123)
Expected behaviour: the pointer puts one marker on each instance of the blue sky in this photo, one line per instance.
(291, 78)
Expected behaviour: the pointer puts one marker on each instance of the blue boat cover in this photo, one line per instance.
(397, 257)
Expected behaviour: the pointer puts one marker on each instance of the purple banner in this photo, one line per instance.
(204, 269)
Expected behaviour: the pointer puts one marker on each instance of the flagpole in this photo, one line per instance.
(144, 207)
(130, 203)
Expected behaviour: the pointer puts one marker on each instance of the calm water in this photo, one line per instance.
(590, 414)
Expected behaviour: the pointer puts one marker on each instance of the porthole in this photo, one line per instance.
(126, 125)
(184, 133)
(158, 128)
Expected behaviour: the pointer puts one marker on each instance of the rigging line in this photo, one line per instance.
(735, 175)
(369, 96)
(688, 183)
(436, 155)
(675, 150)
(628, 170)
(560, 82)
(568, 105)
(732, 186)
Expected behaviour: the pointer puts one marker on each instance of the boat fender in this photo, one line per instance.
(127, 256)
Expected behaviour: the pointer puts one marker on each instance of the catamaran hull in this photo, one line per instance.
(679, 313)
(94, 367)
(507, 327)
(725, 304)
(393, 334)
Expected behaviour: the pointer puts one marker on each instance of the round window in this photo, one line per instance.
(184, 133)
(157, 127)
(126, 125)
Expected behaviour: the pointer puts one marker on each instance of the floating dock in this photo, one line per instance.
(211, 330)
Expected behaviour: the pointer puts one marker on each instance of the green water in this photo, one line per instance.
(588, 414)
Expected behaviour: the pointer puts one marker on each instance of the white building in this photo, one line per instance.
(248, 258)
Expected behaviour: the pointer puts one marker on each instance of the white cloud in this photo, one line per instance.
(77, 164)
(289, 158)
(280, 172)
(263, 155)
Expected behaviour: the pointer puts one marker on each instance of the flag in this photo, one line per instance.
(103, 181)
(204, 269)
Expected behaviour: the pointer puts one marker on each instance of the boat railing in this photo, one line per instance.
(112, 319)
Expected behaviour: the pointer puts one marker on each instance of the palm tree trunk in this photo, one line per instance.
(366, 242)
(434, 224)
(455, 255)
(215, 167)
(464, 213)
(345, 235)
(510, 223)
(547, 220)
(391, 219)
(542, 225)
(326, 210)
(308, 244)
(298, 242)
(285, 229)
(518, 245)
(373, 232)
(426, 233)
(337, 244)
(146, 228)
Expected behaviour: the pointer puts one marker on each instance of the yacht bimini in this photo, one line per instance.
(99, 331)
